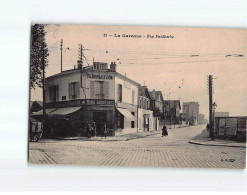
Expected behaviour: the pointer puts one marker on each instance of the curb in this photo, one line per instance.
(107, 140)
(210, 144)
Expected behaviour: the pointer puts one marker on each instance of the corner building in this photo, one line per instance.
(90, 94)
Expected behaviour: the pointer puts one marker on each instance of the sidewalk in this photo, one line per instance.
(203, 139)
(124, 137)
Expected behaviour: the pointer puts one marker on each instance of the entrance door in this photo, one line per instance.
(146, 124)
(100, 119)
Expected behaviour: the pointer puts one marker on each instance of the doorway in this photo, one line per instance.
(100, 119)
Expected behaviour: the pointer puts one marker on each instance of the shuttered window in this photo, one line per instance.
(106, 89)
(74, 91)
(99, 89)
(92, 89)
(54, 93)
(119, 93)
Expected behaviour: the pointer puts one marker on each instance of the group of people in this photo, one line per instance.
(91, 129)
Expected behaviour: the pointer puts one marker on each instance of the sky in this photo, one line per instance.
(177, 66)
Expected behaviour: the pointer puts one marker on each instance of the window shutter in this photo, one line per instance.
(92, 89)
(77, 90)
(106, 89)
(57, 93)
(69, 90)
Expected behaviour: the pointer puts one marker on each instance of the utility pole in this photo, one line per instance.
(210, 83)
(61, 48)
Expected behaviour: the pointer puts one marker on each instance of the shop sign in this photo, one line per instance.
(94, 76)
(79, 102)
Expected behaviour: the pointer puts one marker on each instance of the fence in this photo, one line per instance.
(233, 128)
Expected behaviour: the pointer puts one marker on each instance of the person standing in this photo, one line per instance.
(105, 130)
(164, 131)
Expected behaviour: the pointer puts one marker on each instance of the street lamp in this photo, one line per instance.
(214, 106)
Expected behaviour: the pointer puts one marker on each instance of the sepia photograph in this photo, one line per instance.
(137, 96)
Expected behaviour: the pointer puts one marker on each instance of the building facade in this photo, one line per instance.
(145, 114)
(157, 107)
(172, 111)
(93, 94)
(191, 110)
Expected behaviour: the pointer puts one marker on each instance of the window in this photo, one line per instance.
(74, 90)
(133, 113)
(140, 103)
(119, 92)
(63, 97)
(132, 124)
(53, 93)
(99, 89)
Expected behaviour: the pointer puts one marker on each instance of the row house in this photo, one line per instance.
(157, 107)
(145, 113)
(95, 94)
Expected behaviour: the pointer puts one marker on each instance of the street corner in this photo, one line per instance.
(209, 142)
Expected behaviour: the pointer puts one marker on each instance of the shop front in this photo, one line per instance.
(71, 118)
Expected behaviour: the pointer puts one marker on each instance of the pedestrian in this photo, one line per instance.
(208, 127)
(105, 130)
(164, 131)
(88, 129)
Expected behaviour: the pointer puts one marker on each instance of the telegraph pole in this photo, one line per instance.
(210, 106)
(61, 48)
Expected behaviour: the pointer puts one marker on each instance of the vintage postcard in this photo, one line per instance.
(138, 96)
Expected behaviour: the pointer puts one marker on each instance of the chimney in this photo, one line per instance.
(113, 66)
(79, 64)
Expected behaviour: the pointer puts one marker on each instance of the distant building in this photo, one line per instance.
(172, 110)
(157, 107)
(221, 114)
(145, 114)
(201, 119)
(191, 110)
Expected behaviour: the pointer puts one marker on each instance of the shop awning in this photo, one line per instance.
(126, 114)
(40, 113)
(64, 111)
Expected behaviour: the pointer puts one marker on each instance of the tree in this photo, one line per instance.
(39, 54)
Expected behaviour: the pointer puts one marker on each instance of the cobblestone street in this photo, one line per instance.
(153, 150)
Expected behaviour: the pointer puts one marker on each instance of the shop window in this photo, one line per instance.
(132, 124)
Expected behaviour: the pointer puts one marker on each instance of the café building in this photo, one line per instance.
(93, 94)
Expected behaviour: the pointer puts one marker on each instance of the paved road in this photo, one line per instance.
(154, 151)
